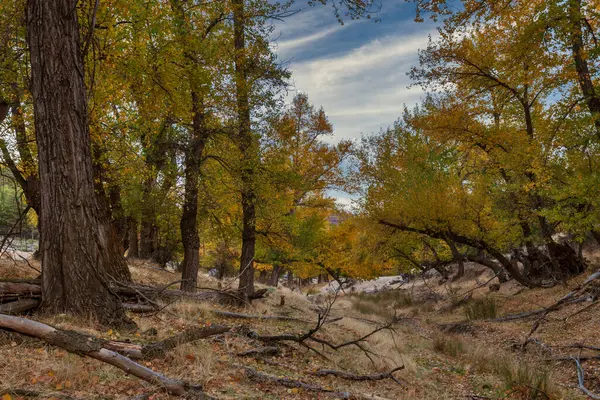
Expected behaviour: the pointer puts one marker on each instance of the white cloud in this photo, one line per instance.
(285, 46)
(365, 88)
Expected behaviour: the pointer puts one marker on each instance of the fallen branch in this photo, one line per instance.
(90, 346)
(534, 313)
(580, 380)
(296, 384)
(339, 374)
(31, 393)
(191, 335)
(354, 377)
(10, 290)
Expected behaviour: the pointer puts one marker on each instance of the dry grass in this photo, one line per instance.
(458, 366)
(483, 308)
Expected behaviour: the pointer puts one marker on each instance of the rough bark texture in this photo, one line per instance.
(189, 217)
(75, 251)
(245, 142)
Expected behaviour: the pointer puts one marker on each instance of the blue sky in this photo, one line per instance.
(357, 71)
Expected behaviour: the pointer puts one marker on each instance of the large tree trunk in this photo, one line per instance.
(245, 141)
(75, 250)
(189, 217)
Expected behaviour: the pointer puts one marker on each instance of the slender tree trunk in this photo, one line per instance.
(262, 276)
(459, 258)
(118, 215)
(584, 77)
(75, 251)
(133, 238)
(116, 265)
(189, 217)
(275, 274)
(248, 148)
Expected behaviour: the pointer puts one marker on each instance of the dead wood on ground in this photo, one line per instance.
(85, 345)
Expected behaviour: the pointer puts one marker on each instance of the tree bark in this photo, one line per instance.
(132, 226)
(584, 76)
(189, 217)
(148, 230)
(459, 258)
(75, 250)
(245, 142)
(275, 274)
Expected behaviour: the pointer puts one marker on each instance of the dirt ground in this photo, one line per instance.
(445, 354)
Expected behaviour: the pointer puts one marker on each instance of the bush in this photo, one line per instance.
(481, 309)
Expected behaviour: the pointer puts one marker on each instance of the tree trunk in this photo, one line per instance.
(148, 231)
(578, 51)
(75, 251)
(189, 217)
(133, 238)
(245, 142)
(118, 215)
(459, 258)
(275, 274)
(116, 265)
(263, 276)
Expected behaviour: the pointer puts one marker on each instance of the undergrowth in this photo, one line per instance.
(484, 308)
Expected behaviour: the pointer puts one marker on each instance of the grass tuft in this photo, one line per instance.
(448, 345)
(484, 308)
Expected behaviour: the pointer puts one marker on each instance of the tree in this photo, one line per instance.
(75, 255)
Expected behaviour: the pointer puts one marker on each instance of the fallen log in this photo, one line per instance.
(85, 345)
(158, 349)
(19, 306)
(10, 290)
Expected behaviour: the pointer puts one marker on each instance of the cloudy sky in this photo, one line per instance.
(357, 71)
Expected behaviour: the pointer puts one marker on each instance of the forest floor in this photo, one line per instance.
(445, 354)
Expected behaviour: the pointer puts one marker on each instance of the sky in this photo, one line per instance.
(357, 71)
